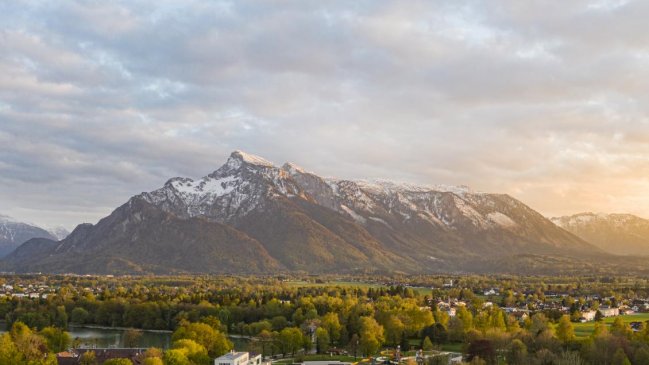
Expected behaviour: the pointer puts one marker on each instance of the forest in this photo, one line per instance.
(487, 319)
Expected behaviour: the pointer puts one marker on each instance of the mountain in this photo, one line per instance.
(252, 216)
(13, 233)
(624, 234)
(59, 232)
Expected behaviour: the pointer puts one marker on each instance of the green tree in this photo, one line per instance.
(621, 328)
(539, 324)
(195, 352)
(517, 354)
(620, 358)
(371, 336)
(9, 353)
(393, 330)
(427, 345)
(322, 340)
(88, 358)
(599, 329)
(118, 362)
(290, 339)
(641, 355)
(565, 330)
(57, 340)
(331, 323)
(152, 361)
(79, 315)
(175, 357)
(214, 341)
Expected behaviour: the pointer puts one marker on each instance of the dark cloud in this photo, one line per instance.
(542, 100)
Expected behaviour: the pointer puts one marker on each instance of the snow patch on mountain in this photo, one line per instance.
(58, 232)
(357, 217)
(501, 220)
(252, 159)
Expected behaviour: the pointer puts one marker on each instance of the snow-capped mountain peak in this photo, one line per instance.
(14, 232)
(59, 232)
(250, 159)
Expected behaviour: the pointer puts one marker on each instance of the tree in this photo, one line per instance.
(517, 354)
(152, 361)
(322, 340)
(290, 340)
(175, 357)
(214, 341)
(620, 358)
(482, 349)
(539, 324)
(565, 330)
(427, 345)
(9, 353)
(88, 358)
(641, 355)
(79, 315)
(57, 340)
(371, 336)
(436, 332)
(331, 323)
(132, 337)
(570, 358)
(620, 328)
(195, 352)
(393, 330)
(118, 362)
(599, 329)
(353, 344)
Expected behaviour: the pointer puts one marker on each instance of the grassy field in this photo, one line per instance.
(350, 284)
(585, 329)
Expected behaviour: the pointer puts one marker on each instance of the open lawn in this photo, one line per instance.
(585, 329)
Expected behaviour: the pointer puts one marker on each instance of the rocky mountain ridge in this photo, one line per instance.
(297, 220)
(624, 234)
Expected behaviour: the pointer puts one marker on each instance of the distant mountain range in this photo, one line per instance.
(250, 216)
(623, 234)
(13, 233)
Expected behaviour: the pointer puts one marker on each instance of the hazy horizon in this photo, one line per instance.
(544, 102)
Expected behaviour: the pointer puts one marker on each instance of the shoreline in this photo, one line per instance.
(95, 326)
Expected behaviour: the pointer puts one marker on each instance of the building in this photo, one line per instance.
(240, 358)
(73, 357)
(587, 316)
(609, 311)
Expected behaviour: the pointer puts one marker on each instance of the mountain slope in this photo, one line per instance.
(137, 238)
(13, 233)
(252, 216)
(616, 233)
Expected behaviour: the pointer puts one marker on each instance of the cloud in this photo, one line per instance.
(545, 101)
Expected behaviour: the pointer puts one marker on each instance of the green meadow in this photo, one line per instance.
(585, 329)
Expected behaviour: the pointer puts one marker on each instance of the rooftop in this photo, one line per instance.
(232, 355)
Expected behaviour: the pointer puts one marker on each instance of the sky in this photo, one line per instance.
(544, 100)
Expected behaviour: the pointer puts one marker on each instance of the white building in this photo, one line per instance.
(609, 312)
(239, 358)
(588, 316)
